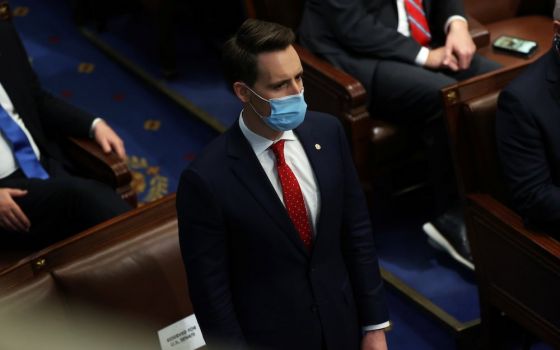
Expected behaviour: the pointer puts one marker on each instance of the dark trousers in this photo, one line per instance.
(409, 95)
(59, 206)
(405, 93)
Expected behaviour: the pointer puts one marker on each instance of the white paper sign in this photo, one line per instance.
(182, 335)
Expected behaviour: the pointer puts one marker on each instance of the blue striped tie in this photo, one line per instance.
(23, 152)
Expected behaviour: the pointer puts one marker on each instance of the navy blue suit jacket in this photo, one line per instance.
(252, 282)
(528, 141)
(355, 34)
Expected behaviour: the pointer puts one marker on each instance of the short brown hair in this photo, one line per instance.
(252, 38)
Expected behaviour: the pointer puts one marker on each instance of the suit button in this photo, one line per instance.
(314, 309)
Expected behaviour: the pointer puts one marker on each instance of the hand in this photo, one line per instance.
(374, 340)
(108, 139)
(437, 59)
(12, 217)
(460, 44)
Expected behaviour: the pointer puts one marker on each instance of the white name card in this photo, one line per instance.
(182, 335)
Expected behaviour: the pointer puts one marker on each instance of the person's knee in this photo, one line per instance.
(93, 200)
(100, 195)
(416, 98)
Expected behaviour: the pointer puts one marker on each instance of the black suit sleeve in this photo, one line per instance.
(441, 11)
(362, 32)
(359, 250)
(58, 116)
(524, 159)
(204, 241)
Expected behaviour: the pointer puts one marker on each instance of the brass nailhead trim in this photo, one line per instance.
(452, 96)
(40, 263)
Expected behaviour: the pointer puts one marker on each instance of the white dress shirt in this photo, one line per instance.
(297, 160)
(404, 29)
(8, 163)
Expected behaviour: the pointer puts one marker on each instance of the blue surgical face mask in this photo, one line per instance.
(286, 113)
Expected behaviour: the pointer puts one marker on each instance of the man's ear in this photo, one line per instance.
(241, 91)
(556, 27)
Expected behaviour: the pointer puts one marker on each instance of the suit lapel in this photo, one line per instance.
(250, 173)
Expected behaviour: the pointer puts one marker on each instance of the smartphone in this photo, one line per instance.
(514, 45)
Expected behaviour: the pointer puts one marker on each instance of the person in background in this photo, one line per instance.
(527, 135)
(40, 200)
(404, 52)
(273, 224)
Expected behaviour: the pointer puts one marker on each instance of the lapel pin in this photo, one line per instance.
(317, 146)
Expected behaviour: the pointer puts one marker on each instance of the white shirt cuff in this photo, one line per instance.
(376, 327)
(451, 19)
(92, 127)
(422, 56)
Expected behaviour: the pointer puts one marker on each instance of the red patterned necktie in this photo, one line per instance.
(417, 22)
(293, 197)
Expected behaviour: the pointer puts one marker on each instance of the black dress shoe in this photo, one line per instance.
(447, 232)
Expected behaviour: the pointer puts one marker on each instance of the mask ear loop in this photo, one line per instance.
(251, 104)
(257, 113)
(253, 91)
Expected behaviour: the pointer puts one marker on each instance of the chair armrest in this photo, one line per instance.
(92, 162)
(479, 33)
(506, 221)
(518, 270)
(330, 90)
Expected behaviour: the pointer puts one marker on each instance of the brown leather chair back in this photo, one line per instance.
(130, 266)
(470, 109)
(479, 117)
(285, 12)
(142, 278)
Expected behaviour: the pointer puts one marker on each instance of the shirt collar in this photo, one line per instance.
(258, 143)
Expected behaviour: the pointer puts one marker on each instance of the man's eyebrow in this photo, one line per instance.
(280, 82)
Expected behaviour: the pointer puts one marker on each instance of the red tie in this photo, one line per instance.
(293, 198)
(417, 22)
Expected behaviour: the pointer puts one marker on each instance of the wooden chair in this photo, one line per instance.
(128, 267)
(518, 270)
(377, 146)
(527, 19)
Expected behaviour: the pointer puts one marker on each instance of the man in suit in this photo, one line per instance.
(273, 223)
(528, 142)
(376, 41)
(404, 52)
(40, 201)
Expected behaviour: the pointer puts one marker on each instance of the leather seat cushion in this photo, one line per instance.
(141, 277)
